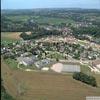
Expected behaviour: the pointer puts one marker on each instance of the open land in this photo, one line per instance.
(40, 85)
(11, 35)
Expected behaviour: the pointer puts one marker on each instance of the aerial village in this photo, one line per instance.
(53, 53)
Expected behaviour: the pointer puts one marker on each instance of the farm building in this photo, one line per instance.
(59, 67)
(26, 60)
(96, 63)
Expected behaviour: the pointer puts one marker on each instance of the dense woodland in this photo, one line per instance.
(85, 78)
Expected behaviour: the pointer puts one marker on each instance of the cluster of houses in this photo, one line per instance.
(40, 64)
(28, 48)
(53, 39)
(82, 24)
(27, 58)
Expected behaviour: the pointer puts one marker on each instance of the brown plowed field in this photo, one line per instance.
(44, 86)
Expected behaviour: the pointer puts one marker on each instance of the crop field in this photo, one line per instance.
(45, 86)
(11, 36)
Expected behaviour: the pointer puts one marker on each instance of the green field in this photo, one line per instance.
(53, 20)
(85, 69)
(11, 63)
(41, 19)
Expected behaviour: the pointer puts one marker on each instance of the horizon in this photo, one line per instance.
(37, 4)
(53, 8)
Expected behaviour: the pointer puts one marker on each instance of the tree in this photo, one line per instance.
(85, 78)
(57, 59)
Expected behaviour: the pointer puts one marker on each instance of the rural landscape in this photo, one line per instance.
(50, 54)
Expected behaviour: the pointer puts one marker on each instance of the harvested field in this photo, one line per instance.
(44, 86)
(12, 35)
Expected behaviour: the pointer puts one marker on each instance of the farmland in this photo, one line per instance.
(10, 35)
(42, 85)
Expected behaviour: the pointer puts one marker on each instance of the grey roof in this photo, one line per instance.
(28, 60)
(42, 63)
(70, 68)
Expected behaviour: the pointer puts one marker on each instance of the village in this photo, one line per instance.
(45, 53)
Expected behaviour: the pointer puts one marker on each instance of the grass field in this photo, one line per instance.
(11, 63)
(85, 69)
(45, 86)
(52, 20)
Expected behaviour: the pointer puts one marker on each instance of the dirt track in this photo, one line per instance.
(44, 86)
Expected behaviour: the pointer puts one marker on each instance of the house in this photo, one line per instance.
(96, 63)
(25, 54)
(26, 60)
(42, 63)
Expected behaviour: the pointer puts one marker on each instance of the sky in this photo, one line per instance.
(30, 4)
